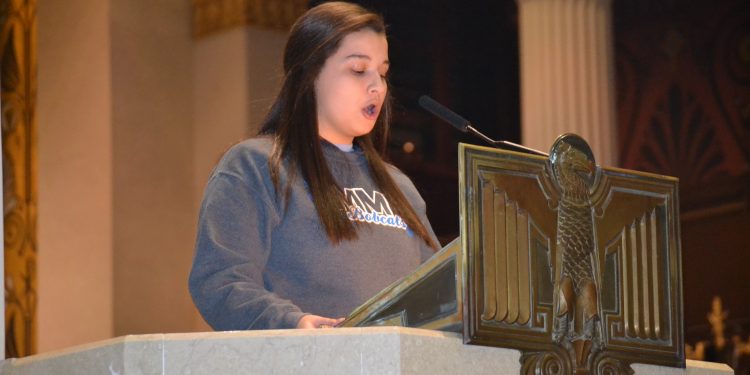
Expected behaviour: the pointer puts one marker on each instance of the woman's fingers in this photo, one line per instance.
(315, 321)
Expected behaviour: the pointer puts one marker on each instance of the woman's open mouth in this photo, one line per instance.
(371, 111)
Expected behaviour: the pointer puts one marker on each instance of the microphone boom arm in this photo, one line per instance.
(464, 125)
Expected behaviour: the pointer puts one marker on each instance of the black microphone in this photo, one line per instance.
(464, 126)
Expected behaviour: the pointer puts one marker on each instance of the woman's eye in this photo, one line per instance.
(358, 71)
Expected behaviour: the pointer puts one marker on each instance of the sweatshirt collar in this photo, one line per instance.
(333, 154)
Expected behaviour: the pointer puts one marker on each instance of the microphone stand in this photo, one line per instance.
(507, 145)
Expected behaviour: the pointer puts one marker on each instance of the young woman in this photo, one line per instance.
(305, 222)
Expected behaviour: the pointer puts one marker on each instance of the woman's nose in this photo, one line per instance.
(377, 85)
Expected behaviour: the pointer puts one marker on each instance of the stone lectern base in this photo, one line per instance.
(375, 350)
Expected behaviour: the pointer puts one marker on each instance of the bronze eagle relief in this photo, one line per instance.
(575, 264)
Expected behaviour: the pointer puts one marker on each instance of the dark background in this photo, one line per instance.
(683, 109)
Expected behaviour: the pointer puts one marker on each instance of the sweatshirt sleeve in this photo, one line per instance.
(232, 247)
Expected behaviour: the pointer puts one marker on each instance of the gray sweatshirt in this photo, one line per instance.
(258, 266)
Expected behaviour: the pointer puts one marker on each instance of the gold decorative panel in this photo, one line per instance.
(215, 15)
(18, 42)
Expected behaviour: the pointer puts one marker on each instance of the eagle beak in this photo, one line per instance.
(585, 169)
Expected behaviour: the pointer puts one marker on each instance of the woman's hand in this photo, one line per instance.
(315, 321)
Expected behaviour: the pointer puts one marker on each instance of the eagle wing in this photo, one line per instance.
(517, 239)
(631, 221)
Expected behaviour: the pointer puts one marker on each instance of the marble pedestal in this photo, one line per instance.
(376, 350)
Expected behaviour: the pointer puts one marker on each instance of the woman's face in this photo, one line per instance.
(351, 87)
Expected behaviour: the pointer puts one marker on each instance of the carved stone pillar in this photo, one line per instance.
(567, 74)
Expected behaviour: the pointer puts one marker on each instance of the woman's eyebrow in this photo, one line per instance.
(365, 57)
(357, 56)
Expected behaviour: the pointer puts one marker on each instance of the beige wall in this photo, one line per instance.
(265, 54)
(133, 114)
(154, 210)
(75, 173)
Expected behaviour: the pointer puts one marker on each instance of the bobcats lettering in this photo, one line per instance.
(373, 209)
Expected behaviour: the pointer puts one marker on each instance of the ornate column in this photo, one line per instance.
(19, 147)
(567, 74)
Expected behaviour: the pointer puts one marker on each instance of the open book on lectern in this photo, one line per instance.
(576, 265)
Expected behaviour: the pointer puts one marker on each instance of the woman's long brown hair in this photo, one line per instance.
(292, 121)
